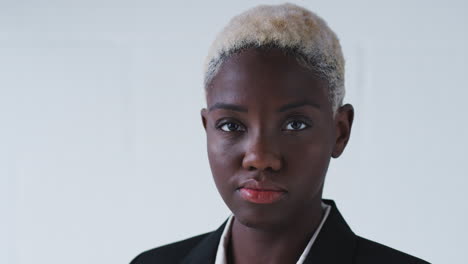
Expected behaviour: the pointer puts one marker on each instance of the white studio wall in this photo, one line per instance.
(102, 150)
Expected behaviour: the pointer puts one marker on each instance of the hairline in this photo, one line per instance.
(301, 57)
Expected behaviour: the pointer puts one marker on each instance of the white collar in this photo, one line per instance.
(223, 242)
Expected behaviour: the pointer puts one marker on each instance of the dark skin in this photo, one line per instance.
(269, 119)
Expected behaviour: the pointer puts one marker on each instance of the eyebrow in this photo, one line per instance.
(243, 109)
(232, 107)
(286, 107)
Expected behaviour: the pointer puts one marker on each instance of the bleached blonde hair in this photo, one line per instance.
(292, 28)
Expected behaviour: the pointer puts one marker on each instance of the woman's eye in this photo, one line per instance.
(230, 127)
(296, 125)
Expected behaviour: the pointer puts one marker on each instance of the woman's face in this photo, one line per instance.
(270, 135)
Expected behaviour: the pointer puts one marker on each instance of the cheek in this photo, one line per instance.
(308, 161)
(221, 152)
(224, 159)
(312, 159)
(225, 163)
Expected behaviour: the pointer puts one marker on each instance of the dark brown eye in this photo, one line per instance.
(230, 127)
(296, 125)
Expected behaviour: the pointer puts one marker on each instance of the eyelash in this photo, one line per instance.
(226, 123)
(301, 122)
(222, 124)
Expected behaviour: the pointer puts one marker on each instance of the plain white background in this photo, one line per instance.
(103, 155)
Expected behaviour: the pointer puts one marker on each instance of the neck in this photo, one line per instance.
(280, 245)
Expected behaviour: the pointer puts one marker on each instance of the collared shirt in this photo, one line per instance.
(223, 242)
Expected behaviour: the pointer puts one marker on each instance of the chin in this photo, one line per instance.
(261, 218)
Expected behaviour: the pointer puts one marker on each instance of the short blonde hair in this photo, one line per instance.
(291, 28)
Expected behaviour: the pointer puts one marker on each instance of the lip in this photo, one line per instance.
(262, 186)
(261, 192)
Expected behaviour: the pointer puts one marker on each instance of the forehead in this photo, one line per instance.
(266, 77)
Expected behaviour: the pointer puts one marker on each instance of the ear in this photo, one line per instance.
(343, 122)
(203, 113)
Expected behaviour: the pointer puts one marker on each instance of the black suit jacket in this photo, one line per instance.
(335, 244)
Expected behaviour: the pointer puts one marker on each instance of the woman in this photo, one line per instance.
(274, 83)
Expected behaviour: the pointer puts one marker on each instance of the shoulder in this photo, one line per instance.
(368, 252)
(170, 253)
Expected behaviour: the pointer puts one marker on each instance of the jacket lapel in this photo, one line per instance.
(335, 244)
(205, 251)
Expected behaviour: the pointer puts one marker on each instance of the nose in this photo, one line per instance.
(262, 154)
